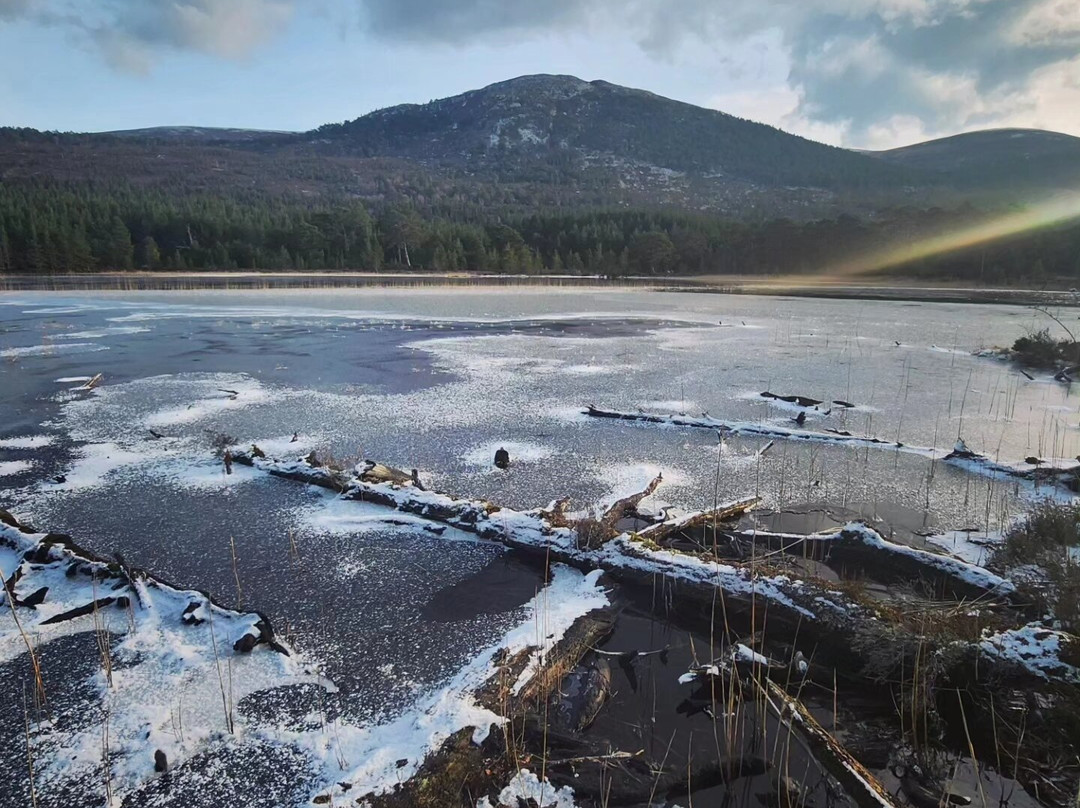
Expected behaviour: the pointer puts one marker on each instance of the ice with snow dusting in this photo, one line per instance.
(483, 456)
(28, 442)
(972, 546)
(370, 756)
(51, 350)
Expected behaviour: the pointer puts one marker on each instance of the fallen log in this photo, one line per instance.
(860, 784)
(1064, 473)
(61, 581)
(809, 609)
(861, 546)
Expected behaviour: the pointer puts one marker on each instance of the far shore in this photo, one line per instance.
(1055, 292)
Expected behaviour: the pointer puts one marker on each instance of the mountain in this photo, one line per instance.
(546, 118)
(1019, 158)
(559, 142)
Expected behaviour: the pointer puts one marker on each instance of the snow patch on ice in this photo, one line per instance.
(109, 331)
(624, 480)
(94, 463)
(52, 350)
(483, 456)
(972, 546)
(372, 754)
(9, 468)
(28, 442)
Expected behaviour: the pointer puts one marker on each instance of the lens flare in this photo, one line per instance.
(1058, 211)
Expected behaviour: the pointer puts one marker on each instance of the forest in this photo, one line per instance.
(53, 227)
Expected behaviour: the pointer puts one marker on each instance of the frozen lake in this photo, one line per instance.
(438, 379)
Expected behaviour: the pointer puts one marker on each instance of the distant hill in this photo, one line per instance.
(532, 174)
(556, 119)
(1020, 158)
(203, 134)
(558, 142)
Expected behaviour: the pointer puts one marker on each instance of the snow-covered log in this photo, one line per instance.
(51, 580)
(1062, 473)
(860, 545)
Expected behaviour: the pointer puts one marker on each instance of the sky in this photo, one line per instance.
(857, 73)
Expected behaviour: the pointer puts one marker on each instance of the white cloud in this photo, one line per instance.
(1049, 22)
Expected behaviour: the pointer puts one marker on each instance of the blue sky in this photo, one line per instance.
(872, 73)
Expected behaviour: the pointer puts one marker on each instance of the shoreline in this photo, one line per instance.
(885, 289)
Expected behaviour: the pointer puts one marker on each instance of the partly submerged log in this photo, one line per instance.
(696, 582)
(860, 784)
(857, 545)
(1064, 473)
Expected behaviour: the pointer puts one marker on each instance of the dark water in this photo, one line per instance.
(436, 379)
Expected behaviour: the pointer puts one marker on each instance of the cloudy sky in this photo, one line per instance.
(866, 73)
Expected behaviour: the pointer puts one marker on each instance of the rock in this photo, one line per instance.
(1033, 461)
(257, 452)
(161, 763)
(35, 598)
(581, 695)
(502, 458)
(246, 644)
(59, 478)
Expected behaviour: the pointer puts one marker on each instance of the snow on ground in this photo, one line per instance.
(9, 468)
(52, 350)
(1034, 647)
(370, 756)
(483, 455)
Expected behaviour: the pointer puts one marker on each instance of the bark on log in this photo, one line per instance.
(860, 784)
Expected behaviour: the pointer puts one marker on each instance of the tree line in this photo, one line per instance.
(56, 227)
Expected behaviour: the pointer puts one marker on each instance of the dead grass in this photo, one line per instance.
(1041, 543)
